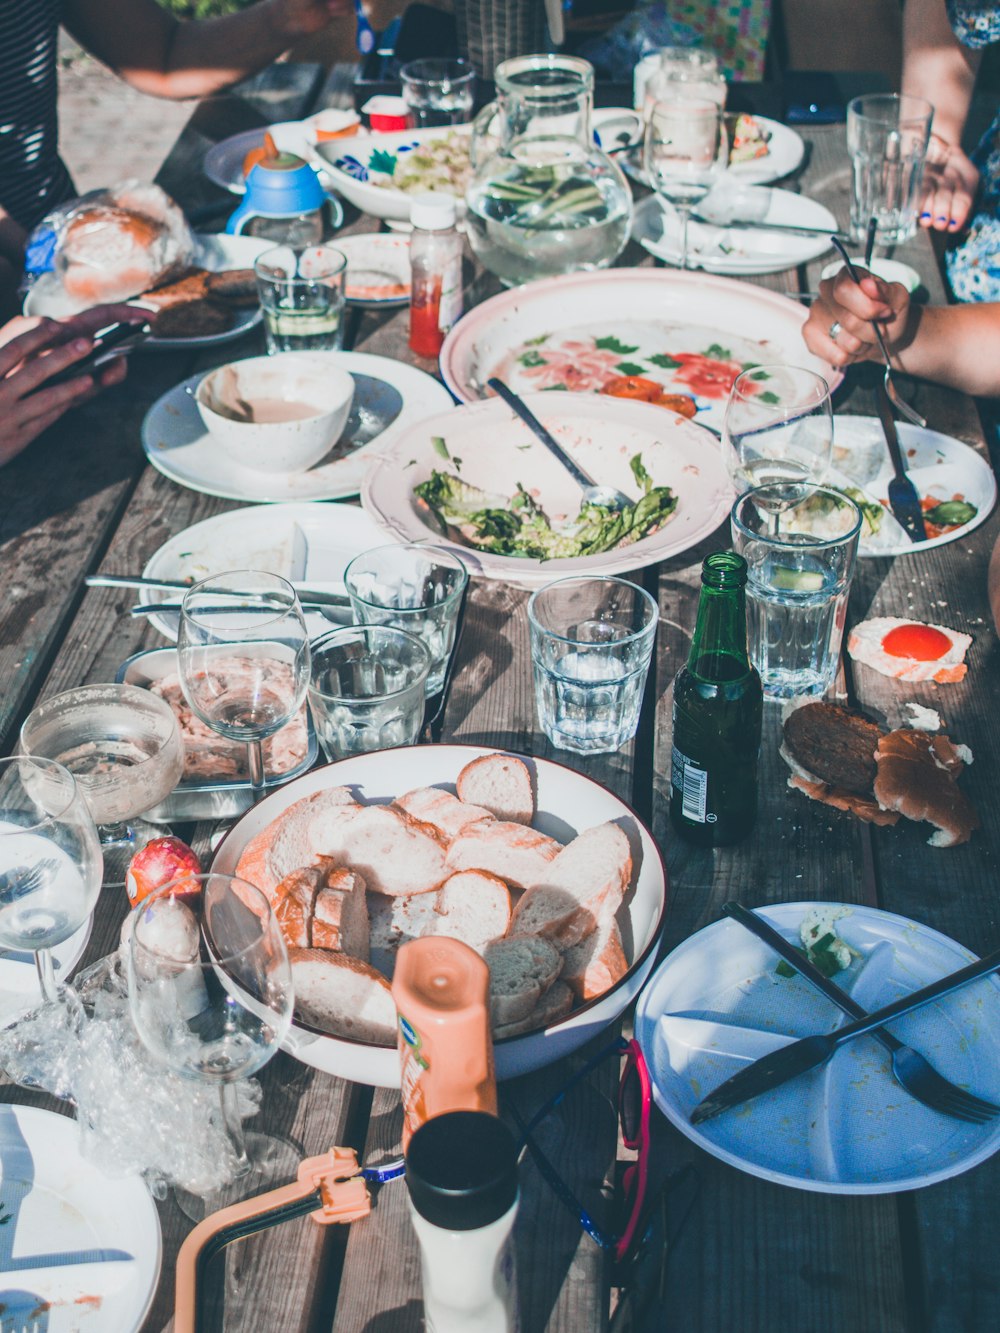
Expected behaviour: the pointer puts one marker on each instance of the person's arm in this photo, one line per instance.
(938, 68)
(956, 345)
(155, 53)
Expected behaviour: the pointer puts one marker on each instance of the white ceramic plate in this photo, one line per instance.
(940, 467)
(736, 250)
(388, 397)
(580, 330)
(308, 543)
(84, 1246)
(19, 977)
(353, 165)
(717, 1003)
(496, 450)
(215, 251)
(378, 269)
(568, 803)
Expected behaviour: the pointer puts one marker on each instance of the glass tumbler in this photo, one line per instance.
(438, 92)
(887, 137)
(302, 295)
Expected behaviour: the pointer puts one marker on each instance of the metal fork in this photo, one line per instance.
(916, 1074)
(895, 397)
(26, 879)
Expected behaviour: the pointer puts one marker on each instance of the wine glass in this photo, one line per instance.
(210, 993)
(778, 426)
(50, 862)
(123, 746)
(243, 658)
(684, 153)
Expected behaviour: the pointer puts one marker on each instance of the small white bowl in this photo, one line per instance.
(889, 270)
(263, 384)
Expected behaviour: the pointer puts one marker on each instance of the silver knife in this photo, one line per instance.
(318, 595)
(788, 1062)
(748, 224)
(903, 498)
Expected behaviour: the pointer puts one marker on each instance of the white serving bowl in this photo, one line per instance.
(568, 802)
(289, 377)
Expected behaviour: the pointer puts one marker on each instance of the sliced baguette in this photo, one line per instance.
(393, 921)
(294, 901)
(257, 865)
(343, 996)
(522, 968)
(441, 810)
(518, 855)
(556, 1003)
(472, 906)
(594, 965)
(584, 882)
(340, 914)
(501, 783)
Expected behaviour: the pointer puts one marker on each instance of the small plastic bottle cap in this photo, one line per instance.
(433, 212)
(461, 1170)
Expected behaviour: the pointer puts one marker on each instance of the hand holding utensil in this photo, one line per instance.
(788, 1062)
(893, 393)
(911, 1069)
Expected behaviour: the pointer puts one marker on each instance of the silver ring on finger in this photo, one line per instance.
(834, 330)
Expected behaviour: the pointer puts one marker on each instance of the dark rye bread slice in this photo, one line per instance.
(833, 744)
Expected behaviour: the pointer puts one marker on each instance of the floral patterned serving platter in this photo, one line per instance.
(691, 333)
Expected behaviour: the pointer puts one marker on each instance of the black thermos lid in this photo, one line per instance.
(461, 1170)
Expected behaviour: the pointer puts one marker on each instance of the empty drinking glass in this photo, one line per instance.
(366, 691)
(684, 154)
(438, 92)
(887, 136)
(779, 426)
(415, 588)
(591, 644)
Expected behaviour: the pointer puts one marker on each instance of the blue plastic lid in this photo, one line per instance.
(283, 192)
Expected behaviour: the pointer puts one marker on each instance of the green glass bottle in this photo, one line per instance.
(718, 705)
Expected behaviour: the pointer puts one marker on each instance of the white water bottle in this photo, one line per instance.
(461, 1171)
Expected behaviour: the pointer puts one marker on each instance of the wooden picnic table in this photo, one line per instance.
(751, 1255)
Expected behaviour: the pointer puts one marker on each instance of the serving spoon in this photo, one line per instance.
(605, 497)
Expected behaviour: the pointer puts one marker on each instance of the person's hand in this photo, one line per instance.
(839, 329)
(947, 188)
(292, 19)
(31, 352)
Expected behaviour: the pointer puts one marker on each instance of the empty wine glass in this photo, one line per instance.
(684, 153)
(778, 426)
(50, 861)
(243, 658)
(210, 993)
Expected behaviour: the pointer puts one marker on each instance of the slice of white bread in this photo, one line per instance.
(472, 906)
(500, 782)
(340, 914)
(294, 900)
(522, 968)
(393, 921)
(554, 1004)
(594, 965)
(257, 864)
(518, 855)
(343, 996)
(446, 813)
(585, 882)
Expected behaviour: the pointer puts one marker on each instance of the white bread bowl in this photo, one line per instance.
(568, 803)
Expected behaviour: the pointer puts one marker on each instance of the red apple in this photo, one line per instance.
(159, 862)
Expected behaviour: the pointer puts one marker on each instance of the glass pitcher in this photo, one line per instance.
(544, 199)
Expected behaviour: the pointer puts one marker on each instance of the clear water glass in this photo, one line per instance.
(887, 137)
(366, 691)
(50, 861)
(778, 426)
(679, 61)
(800, 543)
(438, 92)
(685, 152)
(591, 644)
(414, 588)
(302, 295)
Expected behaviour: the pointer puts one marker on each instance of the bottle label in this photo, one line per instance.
(692, 783)
(451, 294)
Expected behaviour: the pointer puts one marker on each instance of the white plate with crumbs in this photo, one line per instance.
(80, 1251)
(718, 1002)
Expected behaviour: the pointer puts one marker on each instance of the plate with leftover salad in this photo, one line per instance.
(761, 151)
(674, 339)
(380, 173)
(723, 999)
(956, 485)
(478, 481)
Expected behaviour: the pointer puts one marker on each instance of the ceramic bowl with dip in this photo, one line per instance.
(276, 413)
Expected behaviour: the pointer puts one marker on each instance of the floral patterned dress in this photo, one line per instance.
(974, 266)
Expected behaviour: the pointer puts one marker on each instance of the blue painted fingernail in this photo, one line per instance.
(942, 218)
(925, 215)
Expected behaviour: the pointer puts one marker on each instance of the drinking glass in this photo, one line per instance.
(779, 426)
(684, 79)
(438, 92)
(671, 60)
(887, 136)
(50, 861)
(302, 295)
(591, 644)
(243, 658)
(366, 690)
(123, 746)
(415, 588)
(210, 994)
(800, 542)
(684, 154)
